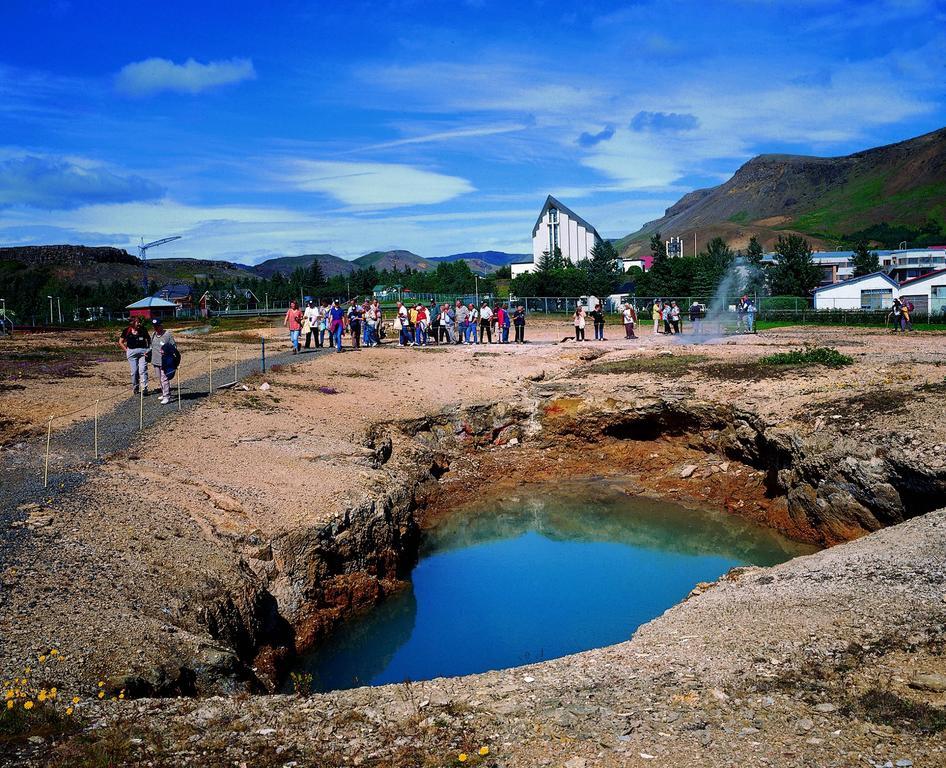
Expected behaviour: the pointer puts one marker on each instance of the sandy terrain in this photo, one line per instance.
(130, 571)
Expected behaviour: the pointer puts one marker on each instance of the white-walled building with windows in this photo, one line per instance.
(559, 227)
(877, 291)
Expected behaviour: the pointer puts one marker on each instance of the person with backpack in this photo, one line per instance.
(906, 309)
(135, 343)
(165, 357)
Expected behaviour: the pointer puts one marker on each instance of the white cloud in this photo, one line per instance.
(145, 78)
(379, 185)
(458, 133)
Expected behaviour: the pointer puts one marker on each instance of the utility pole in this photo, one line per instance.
(50, 309)
(59, 308)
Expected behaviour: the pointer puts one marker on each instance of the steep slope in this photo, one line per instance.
(331, 265)
(821, 198)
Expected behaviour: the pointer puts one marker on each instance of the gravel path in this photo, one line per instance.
(72, 449)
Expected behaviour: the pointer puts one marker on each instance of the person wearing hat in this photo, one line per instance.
(164, 357)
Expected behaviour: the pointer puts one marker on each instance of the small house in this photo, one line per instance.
(151, 307)
(927, 293)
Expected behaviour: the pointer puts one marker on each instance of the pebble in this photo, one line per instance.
(805, 724)
(688, 470)
(826, 707)
(929, 682)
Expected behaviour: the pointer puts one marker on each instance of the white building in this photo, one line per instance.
(874, 291)
(927, 293)
(559, 227)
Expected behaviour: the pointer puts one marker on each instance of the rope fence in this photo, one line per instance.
(191, 365)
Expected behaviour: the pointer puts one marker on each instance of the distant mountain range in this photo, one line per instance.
(90, 264)
(822, 198)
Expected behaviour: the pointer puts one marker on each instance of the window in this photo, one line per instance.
(553, 230)
(876, 298)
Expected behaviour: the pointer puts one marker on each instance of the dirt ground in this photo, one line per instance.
(159, 526)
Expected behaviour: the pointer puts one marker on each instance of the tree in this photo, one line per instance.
(864, 260)
(755, 282)
(315, 277)
(794, 273)
(711, 268)
(604, 269)
(660, 280)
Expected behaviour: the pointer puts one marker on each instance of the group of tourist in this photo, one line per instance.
(415, 324)
(598, 316)
(157, 348)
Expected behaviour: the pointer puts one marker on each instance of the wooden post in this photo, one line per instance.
(96, 428)
(211, 358)
(141, 407)
(49, 432)
(262, 342)
(179, 388)
(236, 351)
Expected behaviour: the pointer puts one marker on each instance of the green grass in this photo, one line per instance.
(740, 218)
(839, 205)
(661, 364)
(827, 356)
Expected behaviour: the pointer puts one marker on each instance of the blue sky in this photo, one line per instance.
(258, 129)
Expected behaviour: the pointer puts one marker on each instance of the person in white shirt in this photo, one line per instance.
(311, 323)
(473, 322)
(630, 319)
(486, 323)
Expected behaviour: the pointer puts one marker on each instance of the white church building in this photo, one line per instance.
(559, 227)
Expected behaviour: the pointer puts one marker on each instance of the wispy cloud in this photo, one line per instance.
(57, 183)
(662, 122)
(439, 136)
(382, 185)
(151, 76)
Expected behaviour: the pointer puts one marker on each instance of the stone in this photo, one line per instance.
(929, 682)
(805, 724)
(825, 708)
(904, 762)
(264, 387)
(688, 470)
(575, 762)
(266, 731)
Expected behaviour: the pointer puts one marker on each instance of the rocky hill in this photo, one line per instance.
(823, 198)
(331, 265)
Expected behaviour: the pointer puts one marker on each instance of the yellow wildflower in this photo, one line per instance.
(26, 670)
(462, 757)
(484, 751)
(101, 684)
(54, 652)
(27, 705)
(101, 694)
(121, 695)
(9, 695)
(42, 695)
(75, 699)
(10, 704)
(42, 659)
(68, 710)
(53, 692)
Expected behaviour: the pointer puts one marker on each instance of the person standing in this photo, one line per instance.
(354, 316)
(696, 317)
(630, 319)
(446, 324)
(519, 321)
(471, 326)
(433, 319)
(135, 343)
(461, 317)
(656, 313)
(506, 323)
(165, 357)
(310, 324)
(336, 324)
(293, 320)
(403, 326)
(579, 320)
(486, 323)
(750, 315)
(675, 316)
(597, 315)
(420, 326)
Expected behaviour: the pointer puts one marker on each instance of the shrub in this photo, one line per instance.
(827, 356)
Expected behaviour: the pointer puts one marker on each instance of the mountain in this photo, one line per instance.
(88, 265)
(382, 260)
(825, 199)
(493, 258)
(331, 265)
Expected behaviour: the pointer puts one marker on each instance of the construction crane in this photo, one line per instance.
(143, 255)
